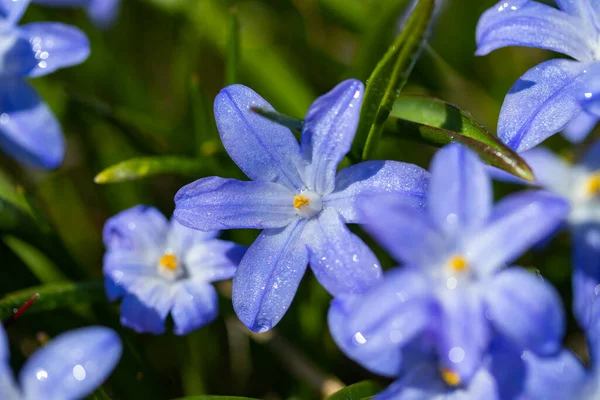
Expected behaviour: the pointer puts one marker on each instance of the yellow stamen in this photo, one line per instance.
(592, 185)
(300, 201)
(450, 377)
(169, 261)
(458, 263)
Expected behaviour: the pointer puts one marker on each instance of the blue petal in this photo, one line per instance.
(525, 309)
(341, 262)
(592, 333)
(213, 261)
(268, 276)
(217, 203)
(11, 12)
(17, 58)
(550, 170)
(586, 270)
(329, 128)
(517, 223)
(195, 304)
(422, 382)
(580, 127)
(124, 269)
(373, 328)
(557, 377)
(180, 238)
(460, 193)
(264, 150)
(541, 103)
(508, 369)
(141, 230)
(358, 184)
(29, 132)
(463, 331)
(55, 46)
(408, 235)
(591, 159)
(532, 24)
(146, 306)
(8, 386)
(72, 365)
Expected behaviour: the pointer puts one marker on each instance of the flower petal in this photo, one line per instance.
(591, 159)
(217, 203)
(460, 193)
(140, 230)
(518, 222)
(55, 46)
(29, 132)
(525, 309)
(550, 170)
(11, 12)
(532, 24)
(268, 276)
(580, 127)
(559, 376)
(592, 333)
(341, 262)
(541, 103)
(146, 306)
(195, 304)
(8, 386)
(408, 235)
(264, 150)
(72, 365)
(463, 332)
(213, 261)
(358, 184)
(586, 270)
(373, 328)
(422, 382)
(329, 128)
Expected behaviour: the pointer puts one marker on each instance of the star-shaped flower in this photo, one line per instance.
(551, 96)
(29, 131)
(454, 286)
(70, 366)
(297, 197)
(160, 268)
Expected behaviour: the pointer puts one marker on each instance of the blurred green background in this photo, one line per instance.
(147, 89)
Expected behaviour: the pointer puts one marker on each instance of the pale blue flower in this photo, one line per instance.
(162, 268)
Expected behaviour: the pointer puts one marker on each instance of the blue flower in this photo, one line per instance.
(548, 97)
(69, 367)
(102, 12)
(160, 268)
(297, 197)
(454, 286)
(579, 184)
(29, 131)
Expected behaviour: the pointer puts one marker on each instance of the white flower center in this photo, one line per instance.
(308, 204)
(169, 267)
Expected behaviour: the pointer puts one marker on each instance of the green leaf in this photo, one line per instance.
(143, 167)
(357, 391)
(389, 78)
(292, 123)
(438, 123)
(208, 397)
(233, 48)
(52, 296)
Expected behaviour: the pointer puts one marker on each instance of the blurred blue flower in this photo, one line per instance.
(580, 185)
(454, 286)
(297, 197)
(29, 131)
(69, 367)
(102, 12)
(551, 96)
(160, 268)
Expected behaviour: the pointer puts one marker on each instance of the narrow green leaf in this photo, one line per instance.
(292, 123)
(439, 123)
(201, 120)
(233, 48)
(358, 391)
(52, 296)
(388, 78)
(143, 167)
